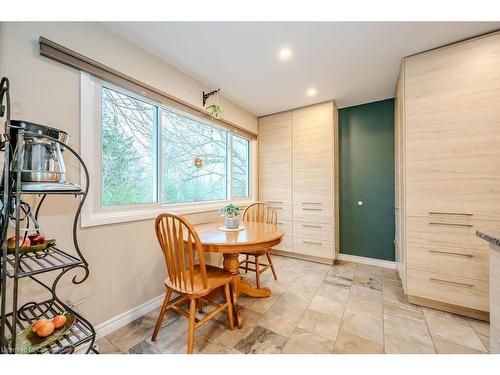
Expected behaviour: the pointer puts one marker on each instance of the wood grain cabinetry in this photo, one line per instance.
(448, 158)
(297, 176)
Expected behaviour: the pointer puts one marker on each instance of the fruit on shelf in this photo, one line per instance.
(36, 238)
(38, 324)
(59, 321)
(46, 329)
(11, 243)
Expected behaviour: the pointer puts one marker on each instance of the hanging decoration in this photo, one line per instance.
(198, 162)
(216, 110)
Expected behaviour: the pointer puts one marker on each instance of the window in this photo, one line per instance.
(185, 140)
(128, 128)
(152, 155)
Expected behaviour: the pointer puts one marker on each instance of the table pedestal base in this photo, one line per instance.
(239, 286)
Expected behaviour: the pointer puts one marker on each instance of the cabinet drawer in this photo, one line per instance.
(285, 244)
(312, 210)
(313, 231)
(311, 247)
(448, 232)
(472, 264)
(458, 291)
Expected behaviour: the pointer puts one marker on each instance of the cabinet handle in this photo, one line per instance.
(451, 253)
(312, 209)
(451, 282)
(312, 226)
(279, 222)
(278, 208)
(311, 202)
(312, 242)
(452, 224)
(449, 213)
(280, 202)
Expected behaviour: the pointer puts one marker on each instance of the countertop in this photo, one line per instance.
(491, 237)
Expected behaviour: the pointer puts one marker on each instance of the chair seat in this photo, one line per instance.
(216, 277)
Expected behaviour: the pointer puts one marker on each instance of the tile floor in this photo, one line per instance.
(315, 308)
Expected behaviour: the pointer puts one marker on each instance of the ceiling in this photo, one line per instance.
(351, 62)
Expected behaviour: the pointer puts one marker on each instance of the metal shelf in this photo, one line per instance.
(43, 261)
(77, 336)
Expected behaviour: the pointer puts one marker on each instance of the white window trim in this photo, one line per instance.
(90, 145)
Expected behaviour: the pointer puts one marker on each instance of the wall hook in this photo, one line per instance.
(208, 95)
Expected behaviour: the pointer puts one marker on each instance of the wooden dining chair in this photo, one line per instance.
(261, 213)
(188, 275)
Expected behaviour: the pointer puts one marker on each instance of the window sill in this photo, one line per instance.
(105, 216)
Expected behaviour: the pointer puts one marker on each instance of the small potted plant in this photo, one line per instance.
(217, 111)
(231, 212)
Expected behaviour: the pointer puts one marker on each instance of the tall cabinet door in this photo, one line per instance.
(313, 163)
(313, 180)
(275, 170)
(452, 130)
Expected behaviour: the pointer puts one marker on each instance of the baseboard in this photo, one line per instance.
(369, 261)
(448, 307)
(128, 316)
(302, 257)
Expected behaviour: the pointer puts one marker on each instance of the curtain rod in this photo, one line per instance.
(66, 56)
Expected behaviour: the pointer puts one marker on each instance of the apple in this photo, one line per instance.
(36, 238)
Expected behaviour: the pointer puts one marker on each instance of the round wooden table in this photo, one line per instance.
(254, 237)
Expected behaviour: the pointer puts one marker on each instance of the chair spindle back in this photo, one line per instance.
(181, 246)
(261, 213)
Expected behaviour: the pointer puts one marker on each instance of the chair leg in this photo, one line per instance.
(192, 311)
(227, 295)
(200, 306)
(272, 265)
(246, 263)
(162, 313)
(257, 271)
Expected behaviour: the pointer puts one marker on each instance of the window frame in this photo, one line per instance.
(93, 212)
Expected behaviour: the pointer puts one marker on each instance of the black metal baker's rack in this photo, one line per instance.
(53, 261)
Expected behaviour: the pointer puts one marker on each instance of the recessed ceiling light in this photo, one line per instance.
(285, 53)
(311, 91)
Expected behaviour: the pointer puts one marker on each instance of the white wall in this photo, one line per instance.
(125, 262)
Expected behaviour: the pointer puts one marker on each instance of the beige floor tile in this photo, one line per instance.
(483, 331)
(410, 330)
(452, 328)
(105, 347)
(328, 306)
(341, 273)
(298, 295)
(368, 271)
(320, 324)
(390, 274)
(351, 344)
(282, 318)
(365, 300)
(403, 310)
(447, 347)
(364, 325)
(172, 339)
(211, 347)
(368, 282)
(333, 292)
(261, 341)
(261, 305)
(398, 345)
(305, 342)
(131, 334)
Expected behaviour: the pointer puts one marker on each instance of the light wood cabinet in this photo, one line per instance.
(297, 176)
(447, 173)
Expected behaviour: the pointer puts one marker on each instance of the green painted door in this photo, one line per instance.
(366, 138)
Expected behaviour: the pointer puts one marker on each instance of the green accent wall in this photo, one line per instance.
(366, 139)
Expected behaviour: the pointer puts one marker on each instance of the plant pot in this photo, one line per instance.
(232, 222)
